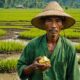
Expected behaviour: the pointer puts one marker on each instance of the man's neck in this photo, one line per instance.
(52, 39)
(51, 42)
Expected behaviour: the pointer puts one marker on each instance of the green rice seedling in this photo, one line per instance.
(33, 32)
(70, 33)
(10, 46)
(18, 14)
(8, 65)
(17, 27)
(74, 13)
(2, 32)
(77, 48)
(23, 14)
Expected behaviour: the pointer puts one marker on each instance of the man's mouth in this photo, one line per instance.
(53, 31)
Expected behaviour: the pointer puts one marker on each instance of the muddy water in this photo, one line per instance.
(9, 76)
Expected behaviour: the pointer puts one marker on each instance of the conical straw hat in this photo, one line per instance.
(53, 9)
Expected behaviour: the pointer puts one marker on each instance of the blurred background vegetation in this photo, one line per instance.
(37, 3)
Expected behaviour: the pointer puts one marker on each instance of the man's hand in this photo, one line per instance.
(36, 66)
(40, 66)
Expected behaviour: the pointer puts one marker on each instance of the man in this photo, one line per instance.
(57, 49)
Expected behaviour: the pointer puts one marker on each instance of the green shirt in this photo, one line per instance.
(63, 60)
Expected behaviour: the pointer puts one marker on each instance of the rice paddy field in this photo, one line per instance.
(18, 14)
(17, 17)
(16, 22)
(28, 14)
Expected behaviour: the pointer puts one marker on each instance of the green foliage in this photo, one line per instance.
(17, 27)
(28, 14)
(77, 48)
(33, 32)
(70, 33)
(37, 3)
(10, 46)
(2, 32)
(74, 12)
(18, 14)
(8, 65)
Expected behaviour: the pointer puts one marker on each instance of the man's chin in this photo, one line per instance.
(55, 37)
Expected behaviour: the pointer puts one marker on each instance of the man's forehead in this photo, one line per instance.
(53, 17)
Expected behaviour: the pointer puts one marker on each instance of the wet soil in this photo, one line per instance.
(12, 33)
(9, 76)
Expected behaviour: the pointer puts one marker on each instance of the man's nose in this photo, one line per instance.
(54, 25)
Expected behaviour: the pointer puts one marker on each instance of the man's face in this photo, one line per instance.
(53, 26)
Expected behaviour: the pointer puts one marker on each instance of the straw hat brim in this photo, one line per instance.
(37, 22)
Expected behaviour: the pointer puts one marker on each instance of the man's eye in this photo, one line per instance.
(49, 20)
(58, 20)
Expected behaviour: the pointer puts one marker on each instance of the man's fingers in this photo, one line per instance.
(38, 58)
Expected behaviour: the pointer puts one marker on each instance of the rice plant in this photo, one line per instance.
(33, 32)
(17, 27)
(8, 65)
(10, 46)
(70, 33)
(18, 14)
(77, 48)
(23, 14)
(2, 32)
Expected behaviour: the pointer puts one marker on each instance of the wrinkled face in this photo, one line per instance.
(53, 26)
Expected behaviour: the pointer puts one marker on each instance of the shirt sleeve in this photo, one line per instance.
(72, 72)
(76, 70)
(25, 60)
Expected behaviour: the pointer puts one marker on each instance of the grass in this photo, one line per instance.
(74, 13)
(71, 33)
(17, 27)
(10, 46)
(28, 14)
(15, 23)
(31, 33)
(8, 65)
(2, 32)
(18, 14)
(77, 48)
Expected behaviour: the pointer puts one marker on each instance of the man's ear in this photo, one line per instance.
(63, 23)
(62, 26)
(43, 24)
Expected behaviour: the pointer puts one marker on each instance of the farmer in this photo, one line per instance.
(59, 50)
